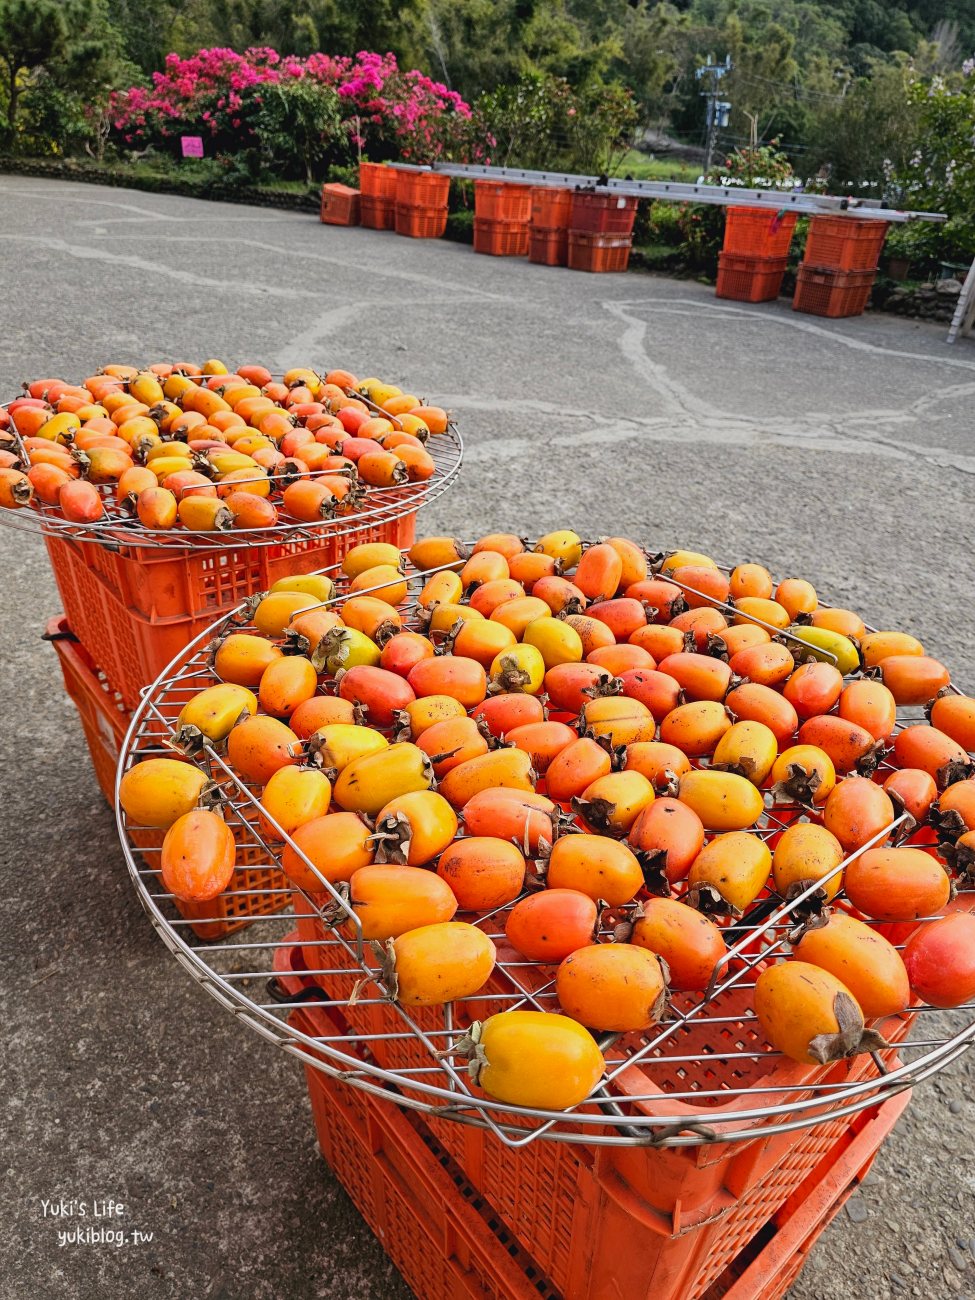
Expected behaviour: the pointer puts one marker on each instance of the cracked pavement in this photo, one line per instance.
(841, 451)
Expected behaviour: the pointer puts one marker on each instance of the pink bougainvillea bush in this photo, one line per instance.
(266, 106)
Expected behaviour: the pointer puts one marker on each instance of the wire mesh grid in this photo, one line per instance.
(704, 1074)
(119, 530)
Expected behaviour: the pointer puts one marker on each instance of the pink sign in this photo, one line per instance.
(192, 146)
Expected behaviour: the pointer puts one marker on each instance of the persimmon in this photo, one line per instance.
(389, 901)
(611, 804)
(378, 693)
(549, 925)
(689, 942)
(413, 828)
(869, 966)
(440, 963)
(198, 856)
(483, 872)
(336, 845)
(809, 1015)
(614, 987)
(897, 884)
(940, 960)
(575, 767)
(729, 873)
(522, 816)
(858, 811)
(670, 835)
(595, 865)
(542, 741)
(813, 689)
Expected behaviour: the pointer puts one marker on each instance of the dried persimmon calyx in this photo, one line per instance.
(851, 1037)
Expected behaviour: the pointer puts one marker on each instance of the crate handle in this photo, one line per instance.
(63, 634)
(310, 993)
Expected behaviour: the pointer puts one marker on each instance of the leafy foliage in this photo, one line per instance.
(939, 175)
(541, 122)
(268, 114)
(57, 60)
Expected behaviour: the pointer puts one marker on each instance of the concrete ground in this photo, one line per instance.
(841, 451)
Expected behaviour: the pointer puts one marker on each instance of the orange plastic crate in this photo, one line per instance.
(501, 238)
(136, 610)
(105, 720)
(420, 222)
(823, 292)
(377, 213)
(769, 1266)
(757, 232)
(497, 201)
(433, 1229)
(595, 252)
(421, 189)
(551, 207)
(602, 214)
(844, 243)
(377, 181)
(549, 246)
(761, 1266)
(340, 205)
(749, 279)
(666, 1222)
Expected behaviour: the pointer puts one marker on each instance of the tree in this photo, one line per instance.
(32, 33)
(56, 57)
(868, 134)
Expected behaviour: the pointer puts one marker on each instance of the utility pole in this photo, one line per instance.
(718, 110)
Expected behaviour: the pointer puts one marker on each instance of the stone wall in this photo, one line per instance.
(933, 300)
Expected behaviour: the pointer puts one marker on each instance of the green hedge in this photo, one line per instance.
(67, 169)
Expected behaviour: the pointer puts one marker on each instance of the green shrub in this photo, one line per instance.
(940, 174)
(541, 122)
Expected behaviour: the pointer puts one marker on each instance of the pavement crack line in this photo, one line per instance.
(696, 418)
(144, 213)
(692, 307)
(193, 278)
(809, 433)
(381, 271)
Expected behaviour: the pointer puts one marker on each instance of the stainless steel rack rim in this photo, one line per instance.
(807, 1106)
(380, 505)
(350, 1070)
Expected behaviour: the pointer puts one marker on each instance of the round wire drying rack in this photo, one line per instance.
(706, 1074)
(118, 530)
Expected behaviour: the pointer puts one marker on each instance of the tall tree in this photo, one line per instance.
(32, 33)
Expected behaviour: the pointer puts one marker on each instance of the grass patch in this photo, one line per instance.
(644, 168)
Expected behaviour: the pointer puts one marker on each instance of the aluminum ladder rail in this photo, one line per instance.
(683, 192)
(964, 316)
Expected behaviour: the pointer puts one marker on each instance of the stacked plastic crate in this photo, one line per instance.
(128, 612)
(461, 1214)
(502, 218)
(840, 265)
(756, 249)
(551, 213)
(600, 230)
(377, 196)
(421, 203)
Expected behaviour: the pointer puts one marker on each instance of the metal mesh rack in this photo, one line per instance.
(119, 531)
(705, 1075)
